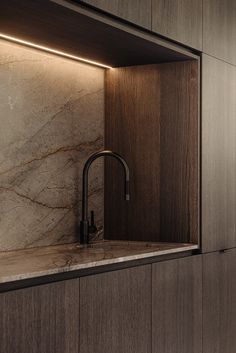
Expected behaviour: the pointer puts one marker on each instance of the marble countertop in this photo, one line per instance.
(36, 262)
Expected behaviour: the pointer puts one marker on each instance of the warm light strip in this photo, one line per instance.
(53, 51)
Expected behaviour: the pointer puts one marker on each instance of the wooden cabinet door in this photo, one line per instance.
(177, 306)
(218, 155)
(180, 20)
(219, 302)
(42, 319)
(219, 29)
(135, 11)
(115, 309)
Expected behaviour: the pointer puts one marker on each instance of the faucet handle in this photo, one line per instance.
(92, 226)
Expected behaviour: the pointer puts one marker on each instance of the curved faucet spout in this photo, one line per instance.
(84, 224)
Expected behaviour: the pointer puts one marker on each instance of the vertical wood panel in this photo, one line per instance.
(179, 152)
(177, 306)
(218, 155)
(219, 29)
(43, 319)
(116, 312)
(219, 302)
(180, 20)
(136, 11)
(132, 128)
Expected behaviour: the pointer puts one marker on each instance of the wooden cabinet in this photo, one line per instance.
(176, 306)
(218, 155)
(219, 29)
(219, 302)
(180, 20)
(144, 309)
(41, 319)
(116, 312)
(135, 11)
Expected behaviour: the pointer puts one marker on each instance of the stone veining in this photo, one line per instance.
(33, 263)
(52, 119)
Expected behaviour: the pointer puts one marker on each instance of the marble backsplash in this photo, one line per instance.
(52, 119)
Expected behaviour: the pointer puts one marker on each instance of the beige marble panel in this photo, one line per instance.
(52, 119)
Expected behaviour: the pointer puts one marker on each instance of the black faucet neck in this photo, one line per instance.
(84, 224)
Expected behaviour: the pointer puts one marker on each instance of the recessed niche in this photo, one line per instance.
(152, 120)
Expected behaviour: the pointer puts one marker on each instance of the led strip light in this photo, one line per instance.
(53, 51)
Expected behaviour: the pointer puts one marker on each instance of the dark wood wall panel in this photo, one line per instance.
(219, 302)
(180, 20)
(43, 319)
(132, 128)
(219, 29)
(152, 120)
(135, 11)
(179, 152)
(177, 306)
(218, 155)
(115, 311)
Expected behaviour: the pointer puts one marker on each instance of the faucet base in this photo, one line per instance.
(84, 232)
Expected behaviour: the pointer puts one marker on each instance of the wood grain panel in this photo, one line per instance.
(218, 155)
(136, 11)
(152, 120)
(40, 319)
(177, 306)
(219, 302)
(179, 152)
(132, 129)
(116, 312)
(219, 29)
(180, 20)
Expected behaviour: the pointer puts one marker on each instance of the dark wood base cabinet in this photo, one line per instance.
(153, 308)
(176, 306)
(116, 312)
(219, 302)
(41, 319)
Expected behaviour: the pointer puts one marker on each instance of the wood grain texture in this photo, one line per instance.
(67, 27)
(152, 120)
(40, 319)
(218, 155)
(177, 306)
(219, 29)
(180, 20)
(179, 195)
(135, 11)
(132, 119)
(219, 302)
(116, 312)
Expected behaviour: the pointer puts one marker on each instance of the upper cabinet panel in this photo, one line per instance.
(180, 20)
(135, 11)
(218, 154)
(219, 29)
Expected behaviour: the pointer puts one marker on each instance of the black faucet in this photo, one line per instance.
(84, 223)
